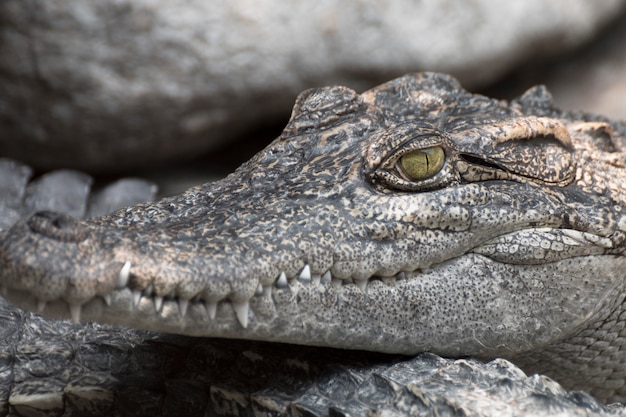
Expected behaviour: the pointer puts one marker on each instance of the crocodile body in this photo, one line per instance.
(413, 217)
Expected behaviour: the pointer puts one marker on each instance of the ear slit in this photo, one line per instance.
(475, 160)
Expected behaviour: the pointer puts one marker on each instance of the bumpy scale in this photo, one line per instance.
(413, 217)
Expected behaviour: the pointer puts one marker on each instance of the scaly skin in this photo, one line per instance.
(515, 247)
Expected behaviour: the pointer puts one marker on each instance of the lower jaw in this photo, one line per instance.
(467, 306)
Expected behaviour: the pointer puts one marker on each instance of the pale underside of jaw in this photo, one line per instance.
(530, 246)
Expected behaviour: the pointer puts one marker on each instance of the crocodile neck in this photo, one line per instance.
(591, 360)
(413, 217)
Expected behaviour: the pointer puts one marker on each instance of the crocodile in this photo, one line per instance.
(414, 217)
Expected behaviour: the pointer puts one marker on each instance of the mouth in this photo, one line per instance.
(172, 306)
(523, 247)
(543, 245)
(470, 305)
(495, 287)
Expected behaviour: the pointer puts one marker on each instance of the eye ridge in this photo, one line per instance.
(421, 164)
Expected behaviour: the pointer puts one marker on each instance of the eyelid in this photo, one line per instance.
(397, 140)
(383, 167)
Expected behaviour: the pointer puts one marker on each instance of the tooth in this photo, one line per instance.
(282, 281)
(158, 303)
(361, 283)
(75, 312)
(241, 311)
(149, 290)
(124, 274)
(305, 275)
(136, 297)
(327, 277)
(107, 299)
(183, 304)
(337, 282)
(316, 278)
(211, 308)
(259, 290)
(41, 304)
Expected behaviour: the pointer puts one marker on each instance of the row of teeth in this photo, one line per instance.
(241, 308)
(327, 278)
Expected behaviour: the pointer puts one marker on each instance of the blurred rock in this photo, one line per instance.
(591, 78)
(594, 80)
(114, 85)
(121, 193)
(65, 191)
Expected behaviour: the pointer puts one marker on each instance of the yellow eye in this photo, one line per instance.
(423, 163)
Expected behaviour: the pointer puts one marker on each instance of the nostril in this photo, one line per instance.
(55, 219)
(57, 226)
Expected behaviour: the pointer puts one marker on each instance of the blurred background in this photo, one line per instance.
(181, 92)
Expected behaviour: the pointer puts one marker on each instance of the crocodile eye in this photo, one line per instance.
(411, 157)
(421, 164)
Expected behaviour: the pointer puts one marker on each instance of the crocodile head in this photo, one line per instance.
(413, 217)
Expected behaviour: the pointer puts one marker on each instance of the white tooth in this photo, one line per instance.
(75, 312)
(124, 274)
(136, 297)
(183, 304)
(241, 311)
(327, 277)
(389, 280)
(158, 303)
(282, 281)
(41, 305)
(149, 290)
(259, 290)
(337, 282)
(316, 278)
(305, 275)
(107, 299)
(361, 283)
(211, 308)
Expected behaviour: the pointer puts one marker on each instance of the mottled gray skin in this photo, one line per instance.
(515, 248)
(57, 368)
